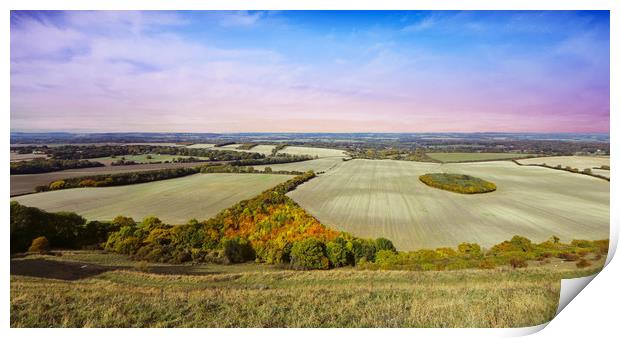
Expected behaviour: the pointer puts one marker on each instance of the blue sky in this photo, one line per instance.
(312, 71)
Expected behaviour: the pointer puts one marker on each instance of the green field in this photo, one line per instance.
(175, 201)
(95, 290)
(372, 198)
(139, 158)
(472, 157)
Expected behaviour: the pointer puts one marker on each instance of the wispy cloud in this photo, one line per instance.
(188, 71)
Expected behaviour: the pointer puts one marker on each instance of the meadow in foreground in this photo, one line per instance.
(253, 295)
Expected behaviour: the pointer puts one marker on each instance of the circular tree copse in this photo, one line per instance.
(463, 184)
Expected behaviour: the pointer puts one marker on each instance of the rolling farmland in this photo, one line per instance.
(471, 157)
(385, 198)
(175, 201)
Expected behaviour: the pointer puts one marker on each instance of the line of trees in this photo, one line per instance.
(108, 180)
(42, 165)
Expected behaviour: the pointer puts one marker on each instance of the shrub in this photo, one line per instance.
(518, 262)
(87, 183)
(57, 185)
(309, 254)
(487, 264)
(386, 259)
(40, 245)
(384, 244)
(469, 249)
(142, 266)
(569, 257)
(583, 263)
(237, 250)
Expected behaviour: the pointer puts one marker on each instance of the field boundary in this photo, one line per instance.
(563, 169)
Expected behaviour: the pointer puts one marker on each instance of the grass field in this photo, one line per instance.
(372, 198)
(318, 165)
(175, 201)
(24, 184)
(139, 158)
(320, 152)
(472, 157)
(99, 291)
(579, 162)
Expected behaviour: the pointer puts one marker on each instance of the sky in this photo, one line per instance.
(310, 71)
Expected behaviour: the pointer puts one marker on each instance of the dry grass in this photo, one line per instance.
(261, 298)
(174, 201)
(386, 199)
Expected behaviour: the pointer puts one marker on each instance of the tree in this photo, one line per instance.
(338, 253)
(237, 250)
(384, 244)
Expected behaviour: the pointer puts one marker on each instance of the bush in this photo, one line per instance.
(569, 257)
(57, 185)
(142, 266)
(583, 263)
(518, 262)
(309, 253)
(237, 250)
(384, 244)
(387, 259)
(87, 183)
(487, 264)
(39, 245)
(469, 249)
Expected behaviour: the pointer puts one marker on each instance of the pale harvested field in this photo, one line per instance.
(15, 157)
(385, 198)
(202, 145)
(318, 165)
(320, 152)
(176, 201)
(579, 162)
(264, 149)
(24, 184)
(468, 157)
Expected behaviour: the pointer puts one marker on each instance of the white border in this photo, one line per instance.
(599, 302)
